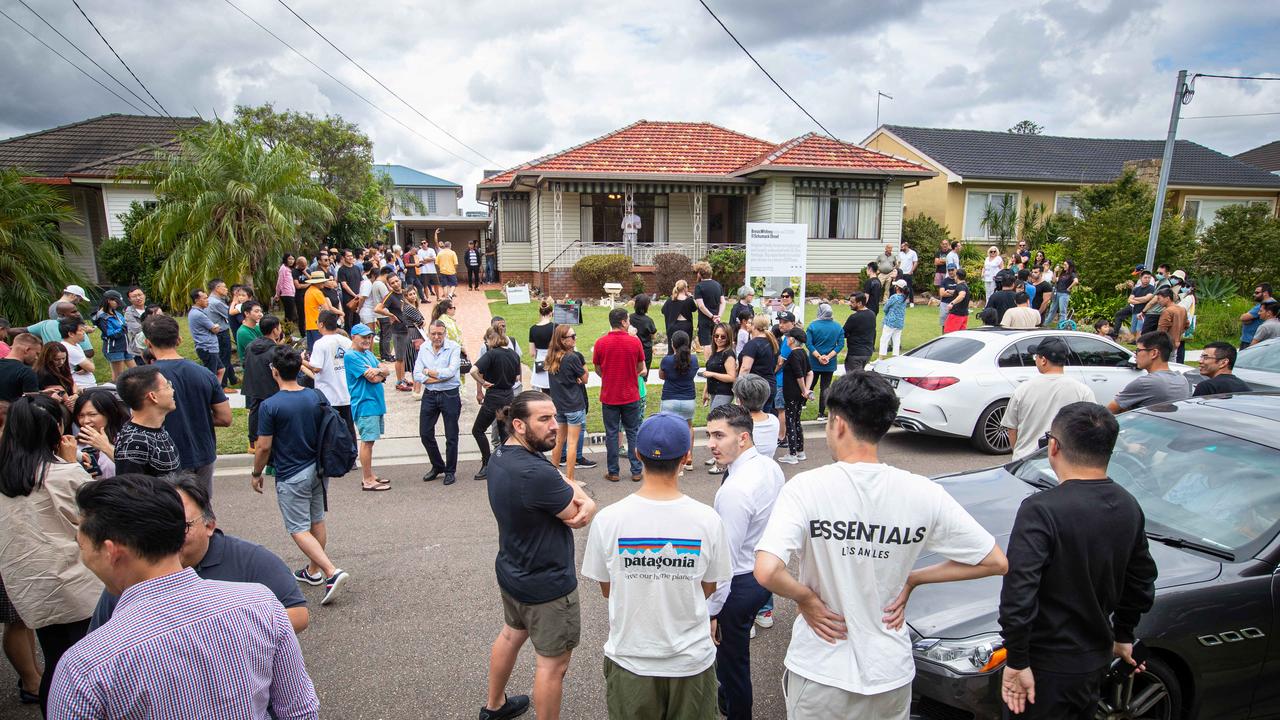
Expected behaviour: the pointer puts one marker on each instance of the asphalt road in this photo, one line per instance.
(410, 636)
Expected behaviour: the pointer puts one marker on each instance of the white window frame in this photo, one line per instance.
(1075, 211)
(964, 220)
(1241, 199)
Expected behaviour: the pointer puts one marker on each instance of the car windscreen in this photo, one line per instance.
(1260, 357)
(1193, 483)
(947, 349)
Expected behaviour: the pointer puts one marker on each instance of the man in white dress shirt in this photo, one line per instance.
(744, 502)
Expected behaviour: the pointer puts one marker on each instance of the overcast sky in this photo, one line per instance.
(515, 80)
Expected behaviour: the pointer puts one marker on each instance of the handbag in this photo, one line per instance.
(464, 367)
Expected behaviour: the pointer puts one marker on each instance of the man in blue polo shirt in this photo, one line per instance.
(47, 330)
(216, 556)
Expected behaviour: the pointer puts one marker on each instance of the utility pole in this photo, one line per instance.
(1181, 95)
(878, 96)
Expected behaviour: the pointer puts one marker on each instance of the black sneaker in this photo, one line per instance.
(513, 707)
(586, 464)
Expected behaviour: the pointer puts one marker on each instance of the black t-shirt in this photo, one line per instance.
(860, 333)
(352, 277)
(195, 390)
(961, 307)
(673, 309)
(1064, 282)
(566, 391)
(1222, 384)
(794, 368)
(645, 330)
(540, 335)
(710, 293)
(500, 366)
(1001, 301)
(716, 364)
(1142, 291)
(764, 359)
(334, 295)
(740, 311)
(149, 451)
(940, 262)
(1043, 290)
(395, 305)
(535, 561)
(15, 379)
(874, 289)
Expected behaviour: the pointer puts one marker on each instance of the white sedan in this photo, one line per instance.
(960, 383)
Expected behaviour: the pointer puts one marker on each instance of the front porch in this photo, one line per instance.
(409, 230)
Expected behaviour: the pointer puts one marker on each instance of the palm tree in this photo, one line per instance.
(32, 269)
(1001, 218)
(229, 207)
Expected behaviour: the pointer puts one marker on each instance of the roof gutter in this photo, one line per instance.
(826, 170)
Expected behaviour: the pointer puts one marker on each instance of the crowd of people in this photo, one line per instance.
(106, 492)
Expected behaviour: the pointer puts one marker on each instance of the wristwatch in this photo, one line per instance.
(255, 475)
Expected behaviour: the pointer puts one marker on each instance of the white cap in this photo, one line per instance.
(900, 283)
(75, 290)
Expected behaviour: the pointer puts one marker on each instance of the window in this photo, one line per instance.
(1091, 352)
(601, 218)
(843, 214)
(947, 350)
(975, 206)
(1065, 203)
(515, 218)
(1019, 354)
(430, 200)
(1205, 210)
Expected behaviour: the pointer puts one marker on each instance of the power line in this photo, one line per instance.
(384, 87)
(1209, 117)
(348, 88)
(72, 64)
(122, 62)
(86, 57)
(1233, 77)
(766, 72)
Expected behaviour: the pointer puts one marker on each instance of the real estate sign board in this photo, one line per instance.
(776, 254)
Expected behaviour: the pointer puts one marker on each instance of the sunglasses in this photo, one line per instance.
(570, 337)
(1043, 442)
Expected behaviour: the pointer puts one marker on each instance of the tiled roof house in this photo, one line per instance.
(980, 167)
(83, 159)
(695, 186)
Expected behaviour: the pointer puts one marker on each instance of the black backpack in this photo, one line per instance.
(335, 448)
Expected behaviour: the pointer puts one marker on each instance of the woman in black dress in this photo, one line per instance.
(679, 312)
(495, 373)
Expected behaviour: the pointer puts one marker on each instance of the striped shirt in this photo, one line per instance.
(180, 647)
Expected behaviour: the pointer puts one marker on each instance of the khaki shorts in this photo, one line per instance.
(642, 697)
(809, 700)
(553, 626)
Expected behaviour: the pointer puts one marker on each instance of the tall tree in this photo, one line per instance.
(1026, 127)
(342, 155)
(229, 207)
(32, 269)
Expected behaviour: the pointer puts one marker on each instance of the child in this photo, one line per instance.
(797, 377)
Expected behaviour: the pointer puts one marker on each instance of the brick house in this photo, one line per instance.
(694, 186)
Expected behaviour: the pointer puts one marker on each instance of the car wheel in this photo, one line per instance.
(1154, 694)
(989, 436)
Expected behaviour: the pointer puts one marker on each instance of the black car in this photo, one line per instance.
(1204, 471)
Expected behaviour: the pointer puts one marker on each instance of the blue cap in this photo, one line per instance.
(664, 436)
(360, 329)
(952, 266)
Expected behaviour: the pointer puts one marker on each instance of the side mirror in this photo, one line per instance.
(1132, 362)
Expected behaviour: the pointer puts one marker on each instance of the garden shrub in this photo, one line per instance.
(637, 285)
(593, 271)
(1242, 246)
(1219, 321)
(728, 267)
(668, 268)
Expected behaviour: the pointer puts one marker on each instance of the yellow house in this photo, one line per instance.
(979, 167)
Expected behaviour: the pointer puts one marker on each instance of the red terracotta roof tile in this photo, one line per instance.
(681, 148)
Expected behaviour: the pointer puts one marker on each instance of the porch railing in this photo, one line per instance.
(640, 253)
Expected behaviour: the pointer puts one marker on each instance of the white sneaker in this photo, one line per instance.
(715, 470)
(753, 632)
(710, 461)
(765, 619)
(801, 457)
(789, 459)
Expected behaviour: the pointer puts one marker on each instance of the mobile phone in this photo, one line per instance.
(1120, 669)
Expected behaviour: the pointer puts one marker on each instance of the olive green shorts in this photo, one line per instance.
(641, 697)
(553, 626)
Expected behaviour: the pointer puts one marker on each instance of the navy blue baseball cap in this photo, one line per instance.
(664, 436)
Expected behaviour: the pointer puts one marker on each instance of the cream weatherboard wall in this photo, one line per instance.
(570, 230)
(80, 251)
(513, 256)
(116, 200)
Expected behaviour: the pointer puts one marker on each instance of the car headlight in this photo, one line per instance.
(977, 654)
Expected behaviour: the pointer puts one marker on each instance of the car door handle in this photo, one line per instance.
(1098, 378)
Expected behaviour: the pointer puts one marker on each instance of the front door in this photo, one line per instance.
(726, 219)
